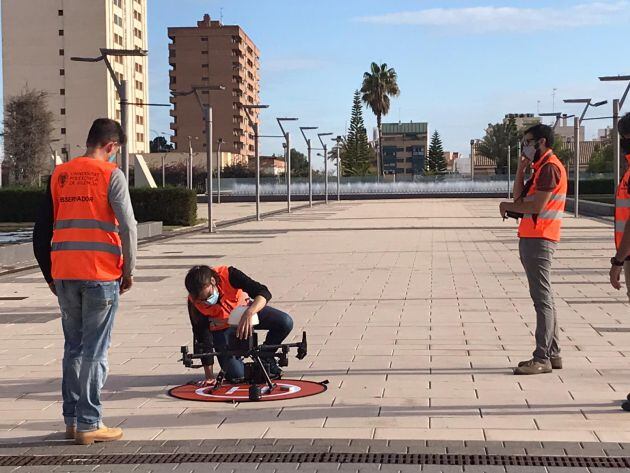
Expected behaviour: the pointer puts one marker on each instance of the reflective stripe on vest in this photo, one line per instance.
(86, 223)
(624, 203)
(86, 246)
(548, 222)
(620, 225)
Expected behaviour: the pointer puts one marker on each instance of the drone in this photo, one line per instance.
(256, 370)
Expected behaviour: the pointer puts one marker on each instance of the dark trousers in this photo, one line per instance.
(277, 323)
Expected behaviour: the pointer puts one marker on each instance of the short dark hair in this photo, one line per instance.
(103, 131)
(199, 277)
(624, 125)
(541, 131)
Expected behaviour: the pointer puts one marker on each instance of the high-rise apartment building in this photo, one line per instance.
(40, 36)
(405, 148)
(214, 54)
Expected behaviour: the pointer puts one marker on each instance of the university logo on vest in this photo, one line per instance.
(62, 179)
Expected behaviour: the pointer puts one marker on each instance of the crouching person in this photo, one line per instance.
(213, 293)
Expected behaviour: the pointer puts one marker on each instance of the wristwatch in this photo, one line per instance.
(615, 262)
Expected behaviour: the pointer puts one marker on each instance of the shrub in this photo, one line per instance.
(20, 204)
(170, 205)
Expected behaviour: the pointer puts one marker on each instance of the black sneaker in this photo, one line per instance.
(533, 366)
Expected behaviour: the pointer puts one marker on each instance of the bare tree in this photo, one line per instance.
(28, 124)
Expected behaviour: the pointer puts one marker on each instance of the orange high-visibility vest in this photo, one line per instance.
(547, 223)
(86, 244)
(229, 298)
(622, 205)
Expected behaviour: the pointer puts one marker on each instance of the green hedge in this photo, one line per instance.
(171, 205)
(20, 204)
(594, 186)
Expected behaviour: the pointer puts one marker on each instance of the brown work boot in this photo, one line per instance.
(556, 362)
(533, 366)
(71, 431)
(102, 434)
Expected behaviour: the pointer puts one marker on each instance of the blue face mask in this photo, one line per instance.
(213, 299)
(112, 158)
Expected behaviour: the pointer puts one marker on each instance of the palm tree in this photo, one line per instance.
(378, 86)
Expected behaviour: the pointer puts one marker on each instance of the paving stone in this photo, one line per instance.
(525, 469)
(441, 469)
(609, 470)
(484, 469)
(561, 469)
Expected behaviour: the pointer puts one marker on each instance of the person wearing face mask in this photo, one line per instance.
(85, 242)
(621, 260)
(213, 293)
(541, 202)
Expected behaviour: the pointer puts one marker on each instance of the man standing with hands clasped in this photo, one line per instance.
(85, 242)
(541, 202)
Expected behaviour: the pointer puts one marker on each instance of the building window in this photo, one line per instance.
(139, 85)
(62, 52)
(118, 115)
(204, 39)
(205, 66)
(118, 39)
(62, 72)
(63, 131)
(139, 136)
(205, 78)
(139, 68)
(62, 91)
(60, 32)
(60, 12)
(63, 111)
(118, 3)
(118, 20)
(204, 52)
(137, 15)
(137, 33)
(118, 59)
(139, 120)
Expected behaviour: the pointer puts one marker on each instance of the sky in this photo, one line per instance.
(461, 64)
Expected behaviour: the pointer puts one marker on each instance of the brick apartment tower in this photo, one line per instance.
(214, 54)
(38, 39)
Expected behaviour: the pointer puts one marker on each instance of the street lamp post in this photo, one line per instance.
(577, 121)
(219, 164)
(122, 89)
(617, 106)
(338, 140)
(207, 117)
(287, 172)
(254, 125)
(472, 160)
(325, 147)
(310, 162)
(189, 164)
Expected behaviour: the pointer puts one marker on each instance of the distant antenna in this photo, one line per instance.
(221, 14)
(553, 108)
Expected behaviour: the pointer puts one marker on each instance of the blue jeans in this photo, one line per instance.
(87, 315)
(278, 325)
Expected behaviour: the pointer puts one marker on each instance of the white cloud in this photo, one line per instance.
(501, 19)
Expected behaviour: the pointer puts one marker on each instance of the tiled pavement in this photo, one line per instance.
(415, 310)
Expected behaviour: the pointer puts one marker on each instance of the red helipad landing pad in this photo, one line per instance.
(285, 389)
